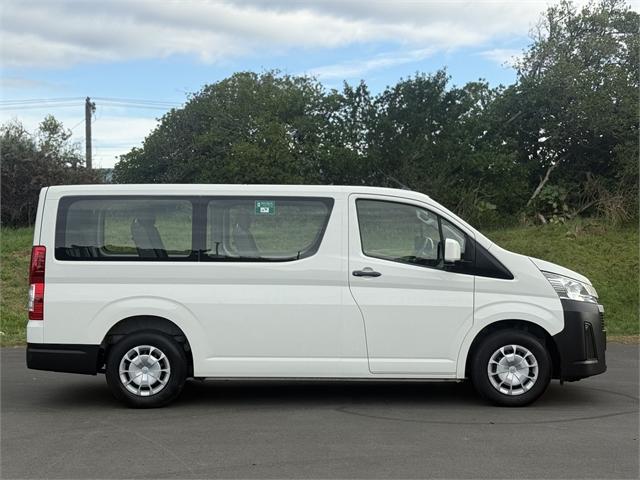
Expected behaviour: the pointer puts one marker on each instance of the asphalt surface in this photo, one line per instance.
(69, 426)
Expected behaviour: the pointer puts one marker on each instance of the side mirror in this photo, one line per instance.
(452, 250)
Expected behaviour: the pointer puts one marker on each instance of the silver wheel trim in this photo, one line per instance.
(512, 370)
(144, 370)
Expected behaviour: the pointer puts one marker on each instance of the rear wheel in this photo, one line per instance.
(146, 369)
(511, 368)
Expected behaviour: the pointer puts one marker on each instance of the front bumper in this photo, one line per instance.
(71, 358)
(582, 343)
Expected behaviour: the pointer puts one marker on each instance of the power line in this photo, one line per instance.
(132, 105)
(41, 106)
(90, 113)
(140, 101)
(73, 101)
(79, 103)
(38, 100)
(66, 99)
(77, 125)
(116, 144)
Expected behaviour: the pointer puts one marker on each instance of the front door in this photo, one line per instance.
(416, 310)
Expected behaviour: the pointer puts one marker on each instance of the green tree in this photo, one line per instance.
(574, 108)
(438, 139)
(563, 140)
(345, 157)
(248, 128)
(31, 161)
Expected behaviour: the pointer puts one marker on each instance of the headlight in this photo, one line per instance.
(572, 289)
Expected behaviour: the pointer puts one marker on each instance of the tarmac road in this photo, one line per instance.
(69, 426)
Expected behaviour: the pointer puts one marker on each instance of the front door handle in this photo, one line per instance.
(366, 272)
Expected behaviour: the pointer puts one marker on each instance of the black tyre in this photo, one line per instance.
(511, 368)
(146, 369)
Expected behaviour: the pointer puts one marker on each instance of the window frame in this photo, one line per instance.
(458, 267)
(199, 227)
(329, 203)
(131, 256)
(61, 220)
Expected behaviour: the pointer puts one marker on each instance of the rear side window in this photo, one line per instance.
(125, 229)
(135, 228)
(265, 228)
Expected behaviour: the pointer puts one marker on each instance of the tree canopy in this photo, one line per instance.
(561, 141)
(31, 161)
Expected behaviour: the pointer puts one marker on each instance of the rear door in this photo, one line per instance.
(416, 311)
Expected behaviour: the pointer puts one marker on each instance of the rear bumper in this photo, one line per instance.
(71, 358)
(581, 345)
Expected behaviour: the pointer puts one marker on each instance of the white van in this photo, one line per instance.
(154, 284)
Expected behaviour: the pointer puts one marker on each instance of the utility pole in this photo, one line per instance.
(89, 108)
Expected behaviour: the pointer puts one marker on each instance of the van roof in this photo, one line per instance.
(209, 189)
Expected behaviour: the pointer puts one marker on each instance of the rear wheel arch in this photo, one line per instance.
(524, 325)
(144, 323)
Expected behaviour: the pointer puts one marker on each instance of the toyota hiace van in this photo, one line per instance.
(155, 284)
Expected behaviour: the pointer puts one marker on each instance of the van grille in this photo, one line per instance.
(602, 325)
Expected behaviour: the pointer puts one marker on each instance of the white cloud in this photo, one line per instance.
(501, 56)
(66, 32)
(117, 135)
(21, 83)
(358, 68)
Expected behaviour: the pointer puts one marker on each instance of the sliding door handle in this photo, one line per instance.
(366, 272)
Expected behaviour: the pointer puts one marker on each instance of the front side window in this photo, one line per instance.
(265, 228)
(124, 229)
(399, 232)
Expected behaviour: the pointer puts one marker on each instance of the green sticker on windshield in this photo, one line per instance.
(265, 207)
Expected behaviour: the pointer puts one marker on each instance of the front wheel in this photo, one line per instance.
(511, 368)
(146, 369)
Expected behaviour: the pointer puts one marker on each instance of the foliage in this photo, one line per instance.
(15, 255)
(560, 142)
(248, 128)
(440, 140)
(32, 161)
(551, 204)
(575, 105)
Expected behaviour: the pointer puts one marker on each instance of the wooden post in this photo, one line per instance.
(89, 108)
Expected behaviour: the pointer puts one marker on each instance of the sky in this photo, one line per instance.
(137, 59)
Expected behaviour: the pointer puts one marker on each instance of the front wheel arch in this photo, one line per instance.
(523, 325)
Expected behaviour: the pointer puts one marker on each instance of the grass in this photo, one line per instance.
(15, 247)
(607, 255)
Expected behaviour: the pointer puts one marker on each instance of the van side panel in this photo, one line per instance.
(242, 319)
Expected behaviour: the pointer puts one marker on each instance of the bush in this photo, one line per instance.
(31, 161)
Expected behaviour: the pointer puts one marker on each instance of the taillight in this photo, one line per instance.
(36, 282)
